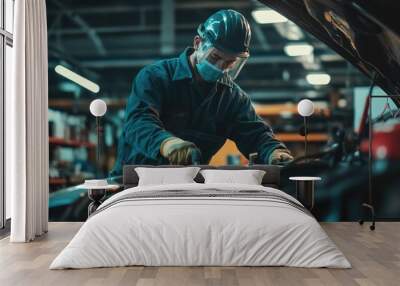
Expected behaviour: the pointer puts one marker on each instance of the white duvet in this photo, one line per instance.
(200, 231)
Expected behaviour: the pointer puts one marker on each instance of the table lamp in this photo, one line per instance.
(305, 108)
(98, 108)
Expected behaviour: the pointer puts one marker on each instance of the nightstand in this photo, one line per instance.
(305, 188)
(97, 191)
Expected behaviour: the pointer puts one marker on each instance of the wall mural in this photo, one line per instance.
(217, 86)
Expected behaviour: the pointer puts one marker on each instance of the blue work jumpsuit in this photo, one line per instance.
(165, 101)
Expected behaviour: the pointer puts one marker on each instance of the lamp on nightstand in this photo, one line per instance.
(97, 188)
(305, 185)
(305, 108)
(98, 108)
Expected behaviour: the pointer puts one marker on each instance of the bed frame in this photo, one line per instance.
(271, 178)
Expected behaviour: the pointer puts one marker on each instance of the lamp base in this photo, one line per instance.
(96, 196)
(305, 193)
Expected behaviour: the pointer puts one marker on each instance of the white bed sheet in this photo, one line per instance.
(200, 231)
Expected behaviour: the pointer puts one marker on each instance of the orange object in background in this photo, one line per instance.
(229, 148)
(278, 109)
(311, 137)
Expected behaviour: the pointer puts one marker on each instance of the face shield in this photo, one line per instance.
(212, 64)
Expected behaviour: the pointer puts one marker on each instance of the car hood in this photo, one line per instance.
(366, 33)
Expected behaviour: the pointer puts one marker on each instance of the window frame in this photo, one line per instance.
(6, 39)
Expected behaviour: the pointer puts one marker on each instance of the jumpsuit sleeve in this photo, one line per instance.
(144, 130)
(251, 133)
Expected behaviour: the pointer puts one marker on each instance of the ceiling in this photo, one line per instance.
(109, 41)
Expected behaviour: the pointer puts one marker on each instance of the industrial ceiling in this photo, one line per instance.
(109, 41)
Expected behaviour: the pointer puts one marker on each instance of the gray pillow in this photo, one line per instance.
(248, 177)
(165, 176)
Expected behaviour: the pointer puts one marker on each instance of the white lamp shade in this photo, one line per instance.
(98, 107)
(305, 107)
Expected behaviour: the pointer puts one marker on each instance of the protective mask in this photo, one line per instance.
(208, 71)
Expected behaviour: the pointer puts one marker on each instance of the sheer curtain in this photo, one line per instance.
(26, 124)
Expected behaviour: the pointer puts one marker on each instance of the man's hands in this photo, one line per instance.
(179, 152)
(280, 157)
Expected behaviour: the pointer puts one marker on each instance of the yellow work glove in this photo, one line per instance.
(280, 157)
(178, 151)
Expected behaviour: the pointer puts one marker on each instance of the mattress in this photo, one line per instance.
(201, 225)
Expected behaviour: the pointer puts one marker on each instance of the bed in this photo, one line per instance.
(198, 224)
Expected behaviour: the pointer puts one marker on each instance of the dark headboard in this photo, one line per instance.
(271, 178)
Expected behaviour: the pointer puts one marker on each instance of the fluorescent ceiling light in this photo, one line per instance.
(289, 30)
(268, 16)
(78, 79)
(295, 50)
(318, 78)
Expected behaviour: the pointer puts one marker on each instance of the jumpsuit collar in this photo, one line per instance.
(183, 70)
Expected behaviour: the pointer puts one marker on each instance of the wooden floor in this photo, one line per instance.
(375, 257)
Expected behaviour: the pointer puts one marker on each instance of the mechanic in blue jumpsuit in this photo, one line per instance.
(190, 105)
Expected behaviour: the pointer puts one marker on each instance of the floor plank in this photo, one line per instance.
(375, 257)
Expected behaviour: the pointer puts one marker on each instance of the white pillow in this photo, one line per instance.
(248, 177)
(164, 176)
